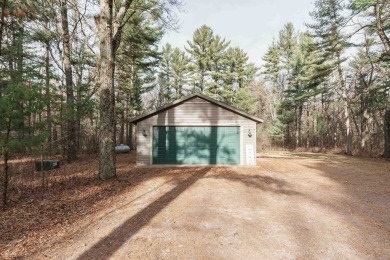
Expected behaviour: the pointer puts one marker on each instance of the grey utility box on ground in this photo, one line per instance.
(46, 165)
(122, 148)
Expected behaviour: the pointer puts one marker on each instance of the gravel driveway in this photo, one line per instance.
(291, 206)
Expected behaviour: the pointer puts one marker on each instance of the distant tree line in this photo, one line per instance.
(330, 84)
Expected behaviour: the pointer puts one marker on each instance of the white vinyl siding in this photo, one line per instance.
(193, 112)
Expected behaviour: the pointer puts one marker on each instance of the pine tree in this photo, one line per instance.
(217, 69)
(271, 70)
(272, 64)
(287, 42)
(166, 76)
(369, 87)
(287, 45)
(329, 21)
(21, 96)
(200, 51)
(110, 23)
(71, 149)
(181, 72)
(44, 37)
(218, 59)
(137, 61)
(238, 74)
(308, 73)
(296, 70)
(378, 12)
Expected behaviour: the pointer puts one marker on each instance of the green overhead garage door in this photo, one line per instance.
(196, 145)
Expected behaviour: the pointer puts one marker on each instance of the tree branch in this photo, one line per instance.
(120, 15)
(379, 25)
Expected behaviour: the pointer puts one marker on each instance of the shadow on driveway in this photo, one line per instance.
(107, 246)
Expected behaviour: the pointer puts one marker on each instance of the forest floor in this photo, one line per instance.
(291, 206)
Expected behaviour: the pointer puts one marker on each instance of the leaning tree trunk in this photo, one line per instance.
(380, 28)
(106, 93)
(70, 123)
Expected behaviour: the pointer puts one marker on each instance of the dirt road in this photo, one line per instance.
(291, 206)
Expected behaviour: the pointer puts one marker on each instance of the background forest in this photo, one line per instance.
(67, 85)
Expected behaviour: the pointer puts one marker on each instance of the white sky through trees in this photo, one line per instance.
(248, 24)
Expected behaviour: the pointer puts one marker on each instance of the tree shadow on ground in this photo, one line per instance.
(364, 198)
(366, 184)
(258, 181)
(107, 246)
(74, 193)
(297, 156)
(68, 211)
(353, 192)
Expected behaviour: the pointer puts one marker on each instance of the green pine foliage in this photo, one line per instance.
(21, 84)
(327, 28)
(296, 69)
(137, 59)
(181, 72)
(200, 51)
(209, 65)
(16, 133)
(245, 100)
(166, 74)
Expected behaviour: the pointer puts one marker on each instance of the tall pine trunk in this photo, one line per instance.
(308, 128)
(347, 123)
(386, 43)
(18, 71)
(298, 120)
(366, 121)
(122, 128)
(78, 114)
(128, 115)
(347, 116)
(79, 82)
(2, 15)
(6, 176)
(287, 136)
(5, 154)
(106, 93)
(48, 104)
(386, 123)
(71, 129)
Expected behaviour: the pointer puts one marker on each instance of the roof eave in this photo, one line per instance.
(136, 119)
(139, 118)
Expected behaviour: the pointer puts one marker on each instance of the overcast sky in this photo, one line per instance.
(248, 24)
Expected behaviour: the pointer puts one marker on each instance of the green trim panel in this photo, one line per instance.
(196, 145)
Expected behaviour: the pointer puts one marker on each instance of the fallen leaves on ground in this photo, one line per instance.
(72, 194)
